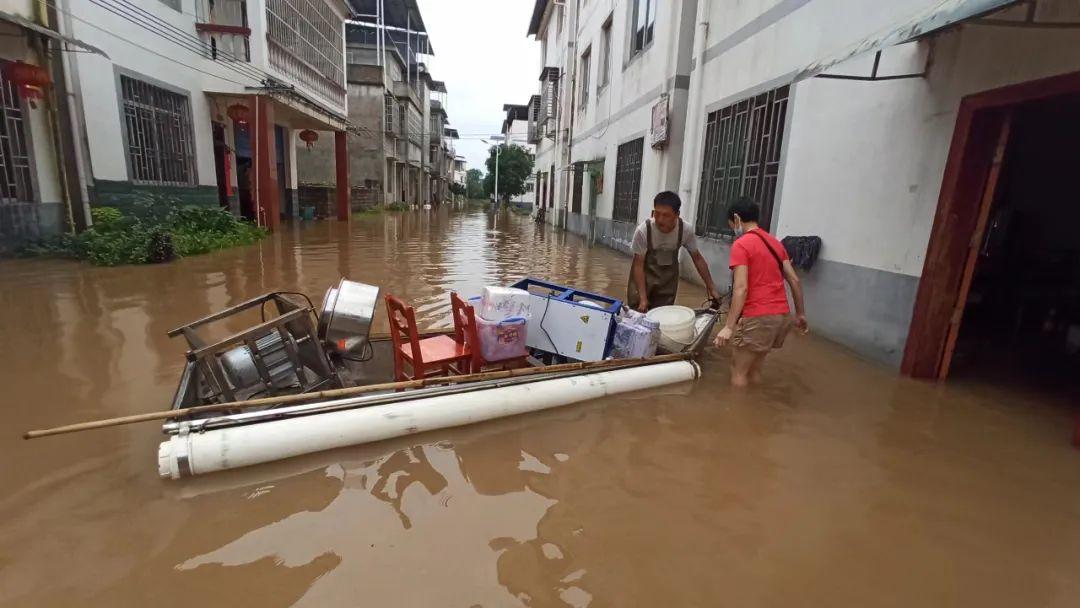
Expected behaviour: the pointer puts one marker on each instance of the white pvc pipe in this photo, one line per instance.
(228, 448)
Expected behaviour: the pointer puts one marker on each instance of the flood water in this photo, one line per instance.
(835, 484)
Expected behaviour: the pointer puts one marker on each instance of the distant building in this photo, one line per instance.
(515, 130)
(398, 149)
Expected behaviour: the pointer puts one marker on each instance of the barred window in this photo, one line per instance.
(742, 157)
(390, 105)
(157, 125)
(15, 169)
(628, 180)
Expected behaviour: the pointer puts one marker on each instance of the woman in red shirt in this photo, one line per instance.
(759, 319)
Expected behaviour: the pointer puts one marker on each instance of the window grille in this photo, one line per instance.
(389, 105)
(16, 185)
(742, 157)
(628, 180)
(158, 130)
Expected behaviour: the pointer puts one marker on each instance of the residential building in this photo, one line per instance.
(195, 100)
(38, 198)
(460, 171)
(910, 136)
(202, 100)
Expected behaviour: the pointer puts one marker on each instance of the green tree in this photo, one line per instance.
(515, 166)
(474, 183)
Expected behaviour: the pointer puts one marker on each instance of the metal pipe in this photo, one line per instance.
(189, 454)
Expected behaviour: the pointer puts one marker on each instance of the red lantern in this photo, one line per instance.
(309, 137)
(239, 114)
(30, 79)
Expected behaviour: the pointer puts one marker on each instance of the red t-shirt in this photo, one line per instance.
(765, 293)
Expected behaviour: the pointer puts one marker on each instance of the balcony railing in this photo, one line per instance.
(223, 27)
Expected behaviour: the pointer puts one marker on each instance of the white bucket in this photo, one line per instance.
(676, 326)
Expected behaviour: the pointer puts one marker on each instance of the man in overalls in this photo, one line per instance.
(654, 277)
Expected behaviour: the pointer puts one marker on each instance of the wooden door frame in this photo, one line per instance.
(947, 268)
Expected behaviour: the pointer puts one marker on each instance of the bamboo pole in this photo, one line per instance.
(353, 391)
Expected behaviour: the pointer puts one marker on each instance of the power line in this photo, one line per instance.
(148, 50)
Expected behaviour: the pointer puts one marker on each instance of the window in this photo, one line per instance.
(628, 180)
(157, 125)
(642, 32)
(742, 157)
(579, 174)
(559, 19)
(604, 69)
(15, 170)
(388, 102)
(586, 58)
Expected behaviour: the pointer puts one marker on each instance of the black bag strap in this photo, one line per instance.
(648, 236)
(776, 257)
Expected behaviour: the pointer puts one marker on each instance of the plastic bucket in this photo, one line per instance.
(676, 326)
(307, 213)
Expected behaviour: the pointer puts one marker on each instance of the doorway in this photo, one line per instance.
(999, 298)
(1021, 316)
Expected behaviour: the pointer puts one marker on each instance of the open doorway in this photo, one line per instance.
(999, 296)
(1020, 319)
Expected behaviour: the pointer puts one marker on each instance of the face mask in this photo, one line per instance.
(739, 230)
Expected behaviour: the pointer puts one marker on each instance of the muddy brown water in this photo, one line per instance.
(835, 484)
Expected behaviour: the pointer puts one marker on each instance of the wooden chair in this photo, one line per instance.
(465, 331)
(435, 356)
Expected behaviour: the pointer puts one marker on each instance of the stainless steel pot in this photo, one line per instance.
(347, 311)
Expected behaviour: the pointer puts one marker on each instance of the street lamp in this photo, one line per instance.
(495, 138)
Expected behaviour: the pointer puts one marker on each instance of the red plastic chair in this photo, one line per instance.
(439, 355)
(465, 331)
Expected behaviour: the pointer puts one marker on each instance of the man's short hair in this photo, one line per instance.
(669, 199)
(747, 209)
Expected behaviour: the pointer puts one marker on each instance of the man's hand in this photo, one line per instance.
(723, 337)
(643, 304)
(714, 296)
(800, 324)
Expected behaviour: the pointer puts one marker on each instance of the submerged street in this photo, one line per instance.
(836, 484)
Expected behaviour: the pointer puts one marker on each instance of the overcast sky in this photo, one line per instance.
(483, 55)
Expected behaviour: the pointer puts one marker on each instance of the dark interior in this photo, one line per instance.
(1022, 319)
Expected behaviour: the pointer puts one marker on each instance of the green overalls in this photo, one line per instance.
(661, 273)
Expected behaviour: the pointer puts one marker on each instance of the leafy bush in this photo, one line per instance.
(398, 206)
(156, 229)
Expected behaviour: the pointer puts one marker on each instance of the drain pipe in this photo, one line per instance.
(692, 132)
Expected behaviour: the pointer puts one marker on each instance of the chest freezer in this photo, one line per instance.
(569, 322)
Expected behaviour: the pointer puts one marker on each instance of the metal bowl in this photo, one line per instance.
(347, 311)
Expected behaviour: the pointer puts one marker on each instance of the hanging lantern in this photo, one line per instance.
(309, 137)
(29, 79)
(239, 114)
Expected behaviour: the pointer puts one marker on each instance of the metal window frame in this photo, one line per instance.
(650, 9)
(193, 169)
(628, 171)
(743, 154)
(586, 60)
(603, 72)
(26, 129)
